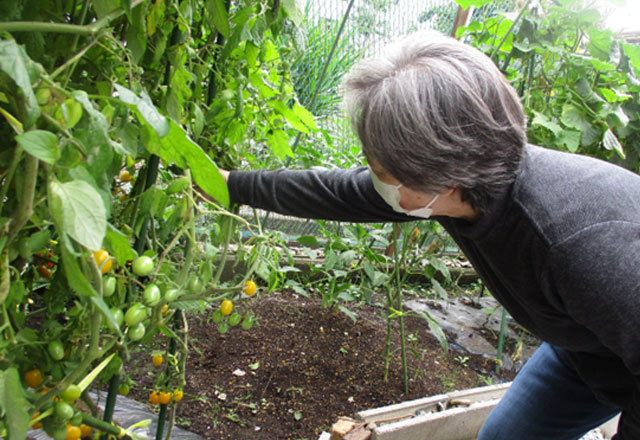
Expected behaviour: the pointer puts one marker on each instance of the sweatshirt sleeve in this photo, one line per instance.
(597, 278)
(343, 195)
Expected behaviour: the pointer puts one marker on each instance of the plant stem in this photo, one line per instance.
(229, 223)
(510, 31)
(63, 28)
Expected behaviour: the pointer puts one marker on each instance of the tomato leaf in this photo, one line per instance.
(304, 115)
(13, 404)
(77, 281)
(120, 246)
(204, 170)
(437, 331)
(41, 144)
(15, 63)
(86, 381)
(145, 109)
(278, 141)
(289, 115)
(218, 17)
(79, 212)
(294, 9)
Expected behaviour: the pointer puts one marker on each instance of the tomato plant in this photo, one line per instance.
(110, 144)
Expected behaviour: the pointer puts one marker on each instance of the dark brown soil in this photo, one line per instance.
(303, 366)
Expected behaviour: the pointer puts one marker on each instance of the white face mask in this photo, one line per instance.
(391, 195)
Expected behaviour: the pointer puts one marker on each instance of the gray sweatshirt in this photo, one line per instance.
(560, 250)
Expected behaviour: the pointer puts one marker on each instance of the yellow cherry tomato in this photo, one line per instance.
(164, 397)
(104, 260)
(33, 378)
(165, 309)
(157, 360)
(85, 430)
(73, 432)
(250, 288)
(226, 307)
(178, 395)
(125, 176)
(154, 397)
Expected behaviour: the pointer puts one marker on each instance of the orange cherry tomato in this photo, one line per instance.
(164, 397)
(33, 378)
(157, 360)
(125, 176)
(85, 430)
(154, 397)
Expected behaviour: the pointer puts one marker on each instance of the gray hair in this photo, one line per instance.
(436, 113)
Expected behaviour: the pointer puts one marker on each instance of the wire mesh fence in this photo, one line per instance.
(334, 36)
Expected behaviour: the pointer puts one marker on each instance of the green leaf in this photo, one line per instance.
(79, 212)
(348, 312)
(218, 17)
(278, 141)
(77, 281)
(542, 120)
(17, 65)
(13, 404)
(477, 3)
(633, 52)
(570, 139)
(289, 115)
(439, 289)
(86, 381)
(437, 332)
(41, 144)
(136, 34)
(574, 117)
(120, 246)
(145, 109)
(205, 172)
(610, 142)
(294, 10)
(308, 240)
(103, 7)
(305, 116)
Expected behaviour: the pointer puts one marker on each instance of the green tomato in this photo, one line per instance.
(223, 327)
(118, 317)
(217, 316)
(136, 332)
(64, 410)
(70, 394)
(76, 420)
(235, 319)
(248, 322)
(195, 285)
(152, 295)
(171, 295)
(178, 185)
(108, 286)
(135, 315)
(59, 433)
(56, 350)
(143, 266)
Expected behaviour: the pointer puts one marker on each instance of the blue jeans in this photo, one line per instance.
(547, 401)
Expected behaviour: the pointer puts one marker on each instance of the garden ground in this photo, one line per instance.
(302, 367)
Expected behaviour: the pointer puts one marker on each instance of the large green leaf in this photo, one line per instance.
(289, 115)
(218, 17)
(278, 141)
(103, 7)
(13, 404)
(204, 170)
(41, 144)
(78, 210)
(17, 66)
(633, 52)
(145, 108)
